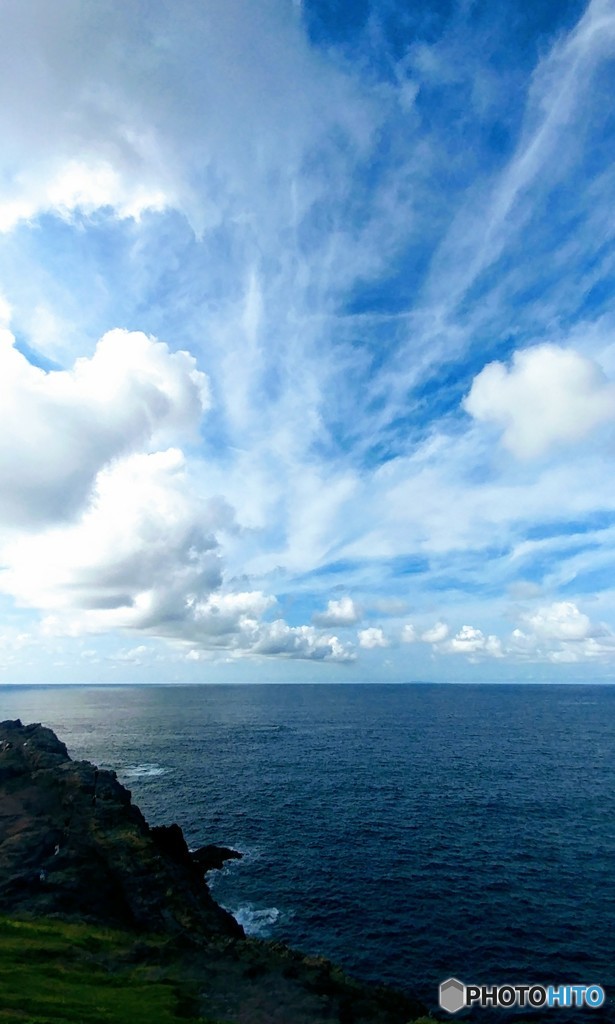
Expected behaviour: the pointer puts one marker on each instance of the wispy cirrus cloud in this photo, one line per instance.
(364, 250)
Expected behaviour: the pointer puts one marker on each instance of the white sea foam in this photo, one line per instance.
(256, 921)
(143, 771)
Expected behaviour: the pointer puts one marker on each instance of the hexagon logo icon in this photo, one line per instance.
(452, 995)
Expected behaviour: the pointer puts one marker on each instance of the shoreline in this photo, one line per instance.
(75, 849)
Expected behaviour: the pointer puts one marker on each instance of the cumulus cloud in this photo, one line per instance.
(338, 613)
(278, 638)
(409, 634)
(548, 396)
(470, 640)
(105, 530)
(304, 411)
(435, 634)
(143, 557)
(226, 619)
(140, 546)
(58, 429)
(561, 620)
(372, 637)
(591, 649)
(562, 634)
(558, 633)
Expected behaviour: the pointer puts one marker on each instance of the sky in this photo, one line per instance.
(307, 341)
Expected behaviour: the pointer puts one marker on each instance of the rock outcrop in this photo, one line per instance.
(212, 858)
(73, 843)
(74, 847)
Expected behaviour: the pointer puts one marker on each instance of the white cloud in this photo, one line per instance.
(142, 558)
(197, 654)
(338, 613)
(278, 638)
(521, 645)
(558, 633)
(5, 313)
(197, 119)
(548, 396)
(83, 187)
(494, 646)
(561, 620)
(558, 99)
(103, 531)
(220, 617)
(372, 637)
(132, 655)
(435, 634)
(565, 656)
(47, 332)
(140, 547)
(58, 429)
(561, 633)
(189, 120)
(602, 647)
(470, 640)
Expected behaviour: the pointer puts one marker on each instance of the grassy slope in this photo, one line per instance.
(55, 972)
(52, 972)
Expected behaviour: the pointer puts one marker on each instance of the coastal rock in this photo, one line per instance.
(72, 843)
(212, 858)
(74, 847)
(170, 840)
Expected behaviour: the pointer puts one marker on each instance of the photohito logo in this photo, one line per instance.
(454, 995)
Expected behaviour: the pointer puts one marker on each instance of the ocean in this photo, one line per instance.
(409, 832)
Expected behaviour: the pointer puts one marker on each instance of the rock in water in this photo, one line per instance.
(72, 843)
(212, 858)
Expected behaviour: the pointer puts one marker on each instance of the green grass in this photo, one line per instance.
(52, 972)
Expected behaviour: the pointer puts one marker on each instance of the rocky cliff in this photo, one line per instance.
(74, 847)
(72, 843)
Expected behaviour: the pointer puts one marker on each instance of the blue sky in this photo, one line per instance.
(307, 341)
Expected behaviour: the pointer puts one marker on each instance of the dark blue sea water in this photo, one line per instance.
(408, 832)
